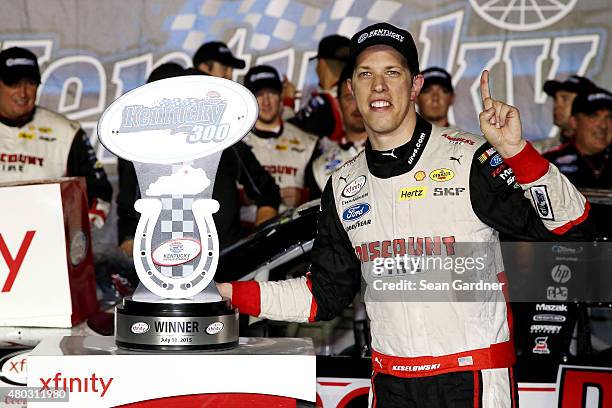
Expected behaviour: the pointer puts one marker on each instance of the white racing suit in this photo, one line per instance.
(443, 188)
(49, 146)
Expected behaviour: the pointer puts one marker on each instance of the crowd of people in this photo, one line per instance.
(375, 115)
(288, 157)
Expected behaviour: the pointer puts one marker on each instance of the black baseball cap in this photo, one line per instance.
(335, 47)
(262, 76)
(167, 70)
(573, 83)
(385, 34)
(216, 51)
(18, 63)
(438, 76)
(592, 101)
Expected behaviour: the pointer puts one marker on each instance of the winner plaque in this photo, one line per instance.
(174, 131)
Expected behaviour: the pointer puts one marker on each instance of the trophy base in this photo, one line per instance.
(176, 327)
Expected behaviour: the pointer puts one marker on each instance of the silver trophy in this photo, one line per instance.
(174, 131)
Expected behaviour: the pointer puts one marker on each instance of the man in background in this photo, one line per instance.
(36, 143)
(321, 113)
(563, 94)
(436, 97)
(215, 58)
(585, 160)
(334, 154)
(281, 148)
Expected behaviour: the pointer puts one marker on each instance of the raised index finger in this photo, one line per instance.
(485, 91)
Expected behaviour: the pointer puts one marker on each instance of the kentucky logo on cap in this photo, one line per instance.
(385, 34)
(380, 33)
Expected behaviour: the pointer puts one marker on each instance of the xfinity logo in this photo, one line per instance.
(354, 187)
(199, 118)
(14, 263)
(93, 384)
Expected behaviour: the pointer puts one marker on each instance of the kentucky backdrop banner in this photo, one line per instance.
(91, 52)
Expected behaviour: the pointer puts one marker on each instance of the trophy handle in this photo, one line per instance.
(151, 277)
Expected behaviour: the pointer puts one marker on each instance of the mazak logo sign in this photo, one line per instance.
(177, 119)
(14, 263)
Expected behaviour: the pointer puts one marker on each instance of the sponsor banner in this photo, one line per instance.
(95, 376)
(33, 266)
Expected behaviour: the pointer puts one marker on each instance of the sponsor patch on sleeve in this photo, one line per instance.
(540, 197)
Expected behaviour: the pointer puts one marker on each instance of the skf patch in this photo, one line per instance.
(281, 147)
(412, 193)
(44, 129)
(294, 141)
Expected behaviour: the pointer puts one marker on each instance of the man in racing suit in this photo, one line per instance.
(335, 154)
(320, 114)
(420, 189)
(586, 159)
(562, 94)
(282, 149)
(36, 143)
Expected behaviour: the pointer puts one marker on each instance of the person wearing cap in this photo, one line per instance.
(283, 150)
(563, 94)
(334, 154)
(585, 160)
(216, 59)
(418, 191)
(320, 115)
(36, 143)
(237, 165)
(436, 96)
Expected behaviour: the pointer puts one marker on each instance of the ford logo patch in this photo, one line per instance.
(354, 212)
